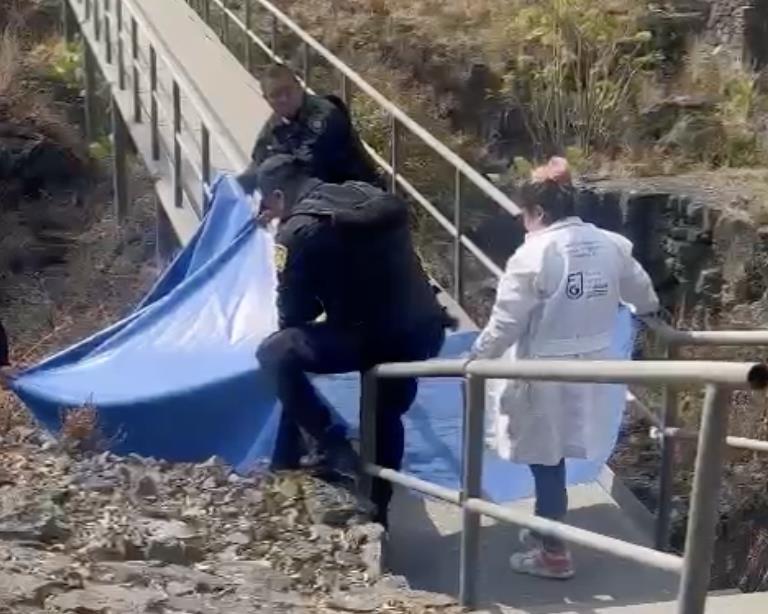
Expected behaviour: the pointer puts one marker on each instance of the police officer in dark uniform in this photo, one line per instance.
(345, 251)
(316, 130)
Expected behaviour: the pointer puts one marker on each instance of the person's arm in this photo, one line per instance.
(637, 290)
(296, 260)
(325, 141)
(259, 154)
(516, 297)
(635, 285)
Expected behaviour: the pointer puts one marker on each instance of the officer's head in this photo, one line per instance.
(548, 196)
(280, 179)
(282, 90)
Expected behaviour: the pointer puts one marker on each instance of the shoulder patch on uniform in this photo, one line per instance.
(317, 124)
(281, 257)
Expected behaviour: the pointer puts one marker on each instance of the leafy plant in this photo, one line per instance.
(101, 149)
(58, 61)
(575, 68)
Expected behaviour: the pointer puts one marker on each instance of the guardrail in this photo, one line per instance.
(134, 59)
(399, 121)
(666, 426)
(719, 378)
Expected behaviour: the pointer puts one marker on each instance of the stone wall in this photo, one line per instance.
(701, 243)
(706, 254)
(742, 27)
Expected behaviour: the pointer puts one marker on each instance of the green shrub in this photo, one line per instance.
(575, 68)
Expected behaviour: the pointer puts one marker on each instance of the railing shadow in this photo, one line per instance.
(425, 544)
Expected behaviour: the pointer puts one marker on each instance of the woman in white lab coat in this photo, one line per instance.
(558, 299)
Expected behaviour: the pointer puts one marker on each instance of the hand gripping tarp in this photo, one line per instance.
(177, 378)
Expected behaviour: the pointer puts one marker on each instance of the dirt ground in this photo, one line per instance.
(69, 269)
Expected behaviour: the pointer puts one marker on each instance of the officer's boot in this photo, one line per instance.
(338, 454)
(290, 446)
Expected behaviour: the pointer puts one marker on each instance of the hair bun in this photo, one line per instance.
(557, 170)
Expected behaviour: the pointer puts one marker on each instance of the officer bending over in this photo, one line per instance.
(316, 130)
(346, 251)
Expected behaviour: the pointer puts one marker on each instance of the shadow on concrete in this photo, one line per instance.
(428, 556)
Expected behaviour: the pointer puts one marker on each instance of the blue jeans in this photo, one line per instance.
(551, 498)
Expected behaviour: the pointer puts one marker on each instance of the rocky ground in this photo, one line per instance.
(91, 533)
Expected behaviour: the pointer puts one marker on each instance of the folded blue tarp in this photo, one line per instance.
(177, 379)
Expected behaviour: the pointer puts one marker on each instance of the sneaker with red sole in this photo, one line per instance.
(543, 564)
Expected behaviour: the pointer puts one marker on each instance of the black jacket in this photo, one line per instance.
(346, 250)
(322, 137)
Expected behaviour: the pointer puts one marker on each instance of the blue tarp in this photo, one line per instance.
(177, 378)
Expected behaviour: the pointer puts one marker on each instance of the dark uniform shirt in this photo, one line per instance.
(346, 251)
(321, 136)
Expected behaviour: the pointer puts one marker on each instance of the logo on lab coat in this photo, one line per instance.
(574, 286)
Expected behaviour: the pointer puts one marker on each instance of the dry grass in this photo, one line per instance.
(432, 45)
(25, 61)
(81, 430)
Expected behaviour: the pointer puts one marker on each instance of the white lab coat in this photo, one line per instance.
(558, 299)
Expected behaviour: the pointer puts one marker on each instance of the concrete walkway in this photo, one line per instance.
(229, 89)
(425, 549)
(424, 540)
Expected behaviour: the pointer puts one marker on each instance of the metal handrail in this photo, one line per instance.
(123, 26)
(399, 119)
(462, 165)
(719, 378)
(711, 338)
(666, 426)
(227, 142)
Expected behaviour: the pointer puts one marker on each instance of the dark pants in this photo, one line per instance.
(551, 497)
(291, 354)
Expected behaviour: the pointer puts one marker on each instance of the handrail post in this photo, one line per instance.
(89, 77)
(248, 42)
(394, 142)
(458, 252)
(96, 21)
(472, 487)
(136, 75)
(154, 111)
(346, 91)
(205, 146)
(703, 515)
(305, 63)
(164, 235)
(67, 22)
(207, 11)
(273, 35)
(178, 191)
(120, 46)
(668, 453)
(224, 27)
(120, 163)
(368, 396)
(107, 37)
